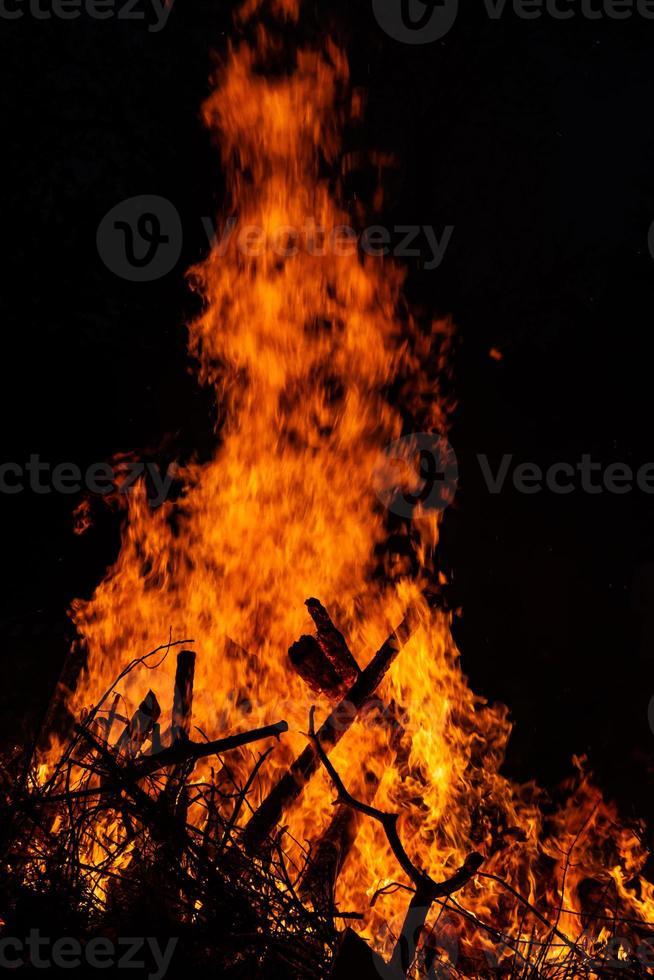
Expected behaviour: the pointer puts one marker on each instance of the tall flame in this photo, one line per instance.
(302, 350)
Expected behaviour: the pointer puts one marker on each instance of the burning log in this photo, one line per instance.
(324, 662)
(325, 674)
(181, 730)
(322, 872)
(310, 663)
(290, 786)
(182, 752)
(183, 694)
(332, 643)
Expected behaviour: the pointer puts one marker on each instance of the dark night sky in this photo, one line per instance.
(536, 141)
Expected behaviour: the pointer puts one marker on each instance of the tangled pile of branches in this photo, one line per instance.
(102, 846)
(100, 843)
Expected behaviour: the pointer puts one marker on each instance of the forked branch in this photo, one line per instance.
(423, 882)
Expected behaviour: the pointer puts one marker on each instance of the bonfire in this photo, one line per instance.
(297, 781)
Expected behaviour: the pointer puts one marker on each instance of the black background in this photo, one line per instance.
(535, 140)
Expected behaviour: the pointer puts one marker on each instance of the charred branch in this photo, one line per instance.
(181, 730)
(426, 889)
(340, 720)
(423, 883)
(332, 643)
(336, 843)
(183, 694)
(309, 662)
(182, 752)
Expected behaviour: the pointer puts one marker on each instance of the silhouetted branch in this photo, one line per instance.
(420, 879)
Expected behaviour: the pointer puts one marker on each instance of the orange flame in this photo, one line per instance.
(301, 350)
